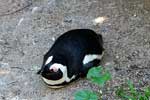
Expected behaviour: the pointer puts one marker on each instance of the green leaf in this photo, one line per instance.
(94, 72)
(122, 94)
(128, 97)
(131, 93)
(147, 92)
(120, 91)
(141, 97)
(85, 95)
(98, 76)
(132, 88)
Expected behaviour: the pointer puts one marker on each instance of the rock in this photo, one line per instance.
(4, 65)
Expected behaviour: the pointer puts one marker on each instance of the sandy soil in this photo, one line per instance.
(28, 28)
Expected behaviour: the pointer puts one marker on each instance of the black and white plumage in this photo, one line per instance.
(71, 56)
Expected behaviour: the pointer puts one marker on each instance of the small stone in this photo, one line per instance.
(35, 68)
(53, 38)
(107, 64)
(2, 41)
(26, 83)
(20, 21)
(15, 98)
(4, 65)
(35, 9)
(68, 20)
(100, 91)
(117, 57)
(134, 15)
(99, 20)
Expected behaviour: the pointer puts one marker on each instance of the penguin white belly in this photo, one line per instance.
(65, 78)
(90, 57)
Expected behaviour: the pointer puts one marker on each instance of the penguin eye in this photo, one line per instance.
(46, 68)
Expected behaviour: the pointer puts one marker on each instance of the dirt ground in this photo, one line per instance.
(28, 28)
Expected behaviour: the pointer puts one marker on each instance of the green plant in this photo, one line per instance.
(98, 76)
(129, 92)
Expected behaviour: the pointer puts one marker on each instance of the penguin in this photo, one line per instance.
(71, 56)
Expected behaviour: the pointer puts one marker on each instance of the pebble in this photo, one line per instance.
(134, 15)
(37, 10)
(53, 38)
(99, 20)
(107, 64)
(4, 68)
(4, 65)
(20, 21)
(35, 68)
(117, 57)
(15, 98)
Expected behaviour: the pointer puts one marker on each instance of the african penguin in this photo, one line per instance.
(71, 56)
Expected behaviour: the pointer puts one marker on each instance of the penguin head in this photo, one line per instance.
(55, 74)
(53, 71)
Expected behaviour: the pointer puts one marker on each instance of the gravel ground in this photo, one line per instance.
(28, 28)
